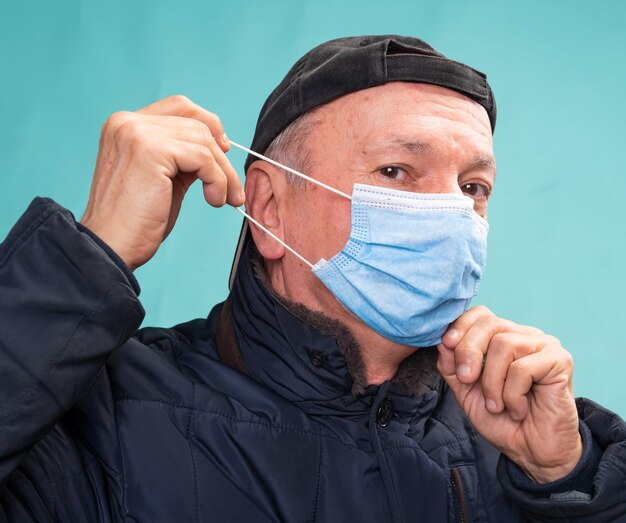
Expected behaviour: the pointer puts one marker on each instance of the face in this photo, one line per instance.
(410, 137)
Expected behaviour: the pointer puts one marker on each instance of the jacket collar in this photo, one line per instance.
(311, 359)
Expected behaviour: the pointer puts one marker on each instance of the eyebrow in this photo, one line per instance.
(484, 162)
(417, 147)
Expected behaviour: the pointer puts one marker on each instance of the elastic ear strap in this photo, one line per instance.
(292, 171)
(264, 229)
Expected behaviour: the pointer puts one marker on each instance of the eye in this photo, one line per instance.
(478, 191)
(393, 172)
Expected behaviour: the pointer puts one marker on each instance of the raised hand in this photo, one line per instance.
(522, 399)
(146, 162)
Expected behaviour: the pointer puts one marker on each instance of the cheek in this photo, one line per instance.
(321, 225)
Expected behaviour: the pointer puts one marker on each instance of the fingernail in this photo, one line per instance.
(491, 405)
(225, 139)
(242, 195)
(463, 371)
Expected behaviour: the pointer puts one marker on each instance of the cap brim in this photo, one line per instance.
(243, 238)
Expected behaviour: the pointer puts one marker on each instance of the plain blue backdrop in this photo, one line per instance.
(558, 219)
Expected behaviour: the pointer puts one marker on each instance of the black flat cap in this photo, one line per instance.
(346, 65)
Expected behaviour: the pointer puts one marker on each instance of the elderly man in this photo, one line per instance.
(344, 378)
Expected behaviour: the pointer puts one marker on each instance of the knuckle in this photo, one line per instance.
(567, 359)
(116, 120)
(518, 367)
(483, 311)
(204, 132)
(179, 100)
(535, 331)
(468, 352)
(551, 340)
(490, 323)
(133, 131)
(209, 159)
(500, 341)
(508, 325)
(215, 118)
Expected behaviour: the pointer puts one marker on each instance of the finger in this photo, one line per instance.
(179, 105)
(194, 158)
(234, 191)
(544, 367)
(199, 134)
(192, 131)
(447, 369)
(458, 328)
(179, 128)
(473, 346)
(503, 350)
(470, 351)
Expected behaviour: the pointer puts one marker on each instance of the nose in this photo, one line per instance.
(439, 183)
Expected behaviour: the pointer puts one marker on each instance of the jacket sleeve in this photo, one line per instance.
(594, 492)
(66, 302)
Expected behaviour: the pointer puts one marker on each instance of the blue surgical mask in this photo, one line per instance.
(412, 264)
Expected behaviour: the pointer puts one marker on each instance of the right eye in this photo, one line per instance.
(393, 172)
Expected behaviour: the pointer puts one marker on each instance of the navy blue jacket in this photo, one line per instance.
(253, 414)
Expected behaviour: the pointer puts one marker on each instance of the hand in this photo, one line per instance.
(522, 401)
(146, 162)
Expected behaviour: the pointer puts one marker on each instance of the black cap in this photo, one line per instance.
(345, 65)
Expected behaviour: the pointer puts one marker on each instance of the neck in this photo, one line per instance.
(378, 357)
(381, 357)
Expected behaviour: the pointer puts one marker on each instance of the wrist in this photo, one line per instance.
(542, 474)
(113, 246)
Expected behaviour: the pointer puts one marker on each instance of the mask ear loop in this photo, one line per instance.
(264, 229)
(292, 171)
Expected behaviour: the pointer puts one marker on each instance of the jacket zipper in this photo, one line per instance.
(460, 503)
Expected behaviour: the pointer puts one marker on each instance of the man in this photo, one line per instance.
(342, 379)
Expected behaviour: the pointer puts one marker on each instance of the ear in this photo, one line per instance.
(264, 188)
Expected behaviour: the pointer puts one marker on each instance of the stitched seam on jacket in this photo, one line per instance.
(465, 457)
(6, 350)
(481, 473)
(291, 428)
(28, 392)
(189, 436)
(417, 449)
(125, 514)
(37, 222)
(456, 437)
(75, 475)
(319, 480)
(20, 500)
(257, 295)
(47, 482)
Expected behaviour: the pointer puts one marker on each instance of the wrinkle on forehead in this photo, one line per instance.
(367, 110)
(423, 120)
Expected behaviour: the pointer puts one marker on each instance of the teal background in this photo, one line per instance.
(557, 240)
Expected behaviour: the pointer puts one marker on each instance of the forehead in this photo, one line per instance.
(404, 107)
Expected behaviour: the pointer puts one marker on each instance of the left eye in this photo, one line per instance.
(393, 172)
(476, 190)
